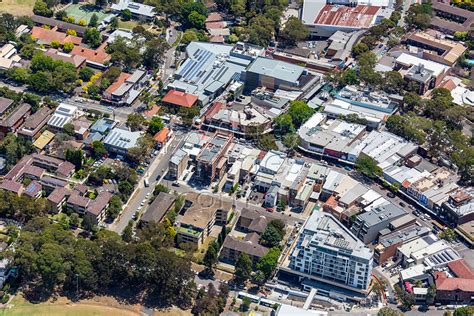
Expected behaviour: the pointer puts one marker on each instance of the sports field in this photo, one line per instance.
(17, 7)
(84, 11)
(98, 306)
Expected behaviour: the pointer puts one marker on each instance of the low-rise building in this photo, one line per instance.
(78, 61)
(328, 252)
(57, 199)
(210, 158)
(459, 208)
(453, 290)
(450, 19)
(9, 57)
(47, 36)
(178, 164)
(233, 247)
(368, 225)
(97, 208)
(119, 140)
(64, 114)
(437, 49)
(157, 210)
(139, 10)
(12, 118)
(125, 89)
(175, 98)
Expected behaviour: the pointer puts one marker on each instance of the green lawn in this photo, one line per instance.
(17, 7)
(63, 307)
(84, 11)
(128, 25)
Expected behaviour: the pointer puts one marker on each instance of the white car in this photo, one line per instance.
(148, 195)
(142, 203)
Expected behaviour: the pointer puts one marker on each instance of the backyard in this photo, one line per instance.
(17, 7)
(85, 12)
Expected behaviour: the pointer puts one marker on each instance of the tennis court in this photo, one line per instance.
(85, 11)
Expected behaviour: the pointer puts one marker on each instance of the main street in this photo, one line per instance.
(154, 174)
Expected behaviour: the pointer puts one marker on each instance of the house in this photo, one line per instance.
(162, 137)
(43, 140)
(139, 10)
(178, 164)
(9, 57)
(459, 208)
(96, 58)
(119, 140)
(125, 89)
(33, 125)
(157, 210)
(178, 99)
(12, 186)
(79, 62)
(204, 212)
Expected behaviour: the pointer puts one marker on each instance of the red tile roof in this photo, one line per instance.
(161, 136)
(180, 98)
(461, 269)
(97, 55)
(360, 16)
(48, 36)
(152, 112)
(443, 283)
(117, 83)
(215, 25)
(214, 17)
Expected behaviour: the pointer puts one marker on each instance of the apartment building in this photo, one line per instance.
(178, 163)
(328, 252)
(201, 214)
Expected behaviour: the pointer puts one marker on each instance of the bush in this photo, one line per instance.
(5, 298)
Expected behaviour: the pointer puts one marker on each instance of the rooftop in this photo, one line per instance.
(461, 269)
(354, 17)
(431, 66)
(245, 246)
(158, 209)
(277, 69)
(180, 98)
(122, 138)
(203, 209)
(381, 213)
(134, 7)
(47, 36)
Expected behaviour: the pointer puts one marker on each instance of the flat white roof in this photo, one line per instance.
(435, 67)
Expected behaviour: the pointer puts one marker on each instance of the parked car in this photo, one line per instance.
(391, 195)
(402, 204)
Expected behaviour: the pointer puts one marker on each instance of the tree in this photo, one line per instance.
(300, 112)
(92, 37)
(115, 206)
(387, 311)
(196, 20)
(293, 32)
(431, 294)
(268, 263)
(18, 74)
(154, 52)
(260, 30)
(393, 82)
(86, 73)
(61, 15)
(284, 124)
(267, 142)
(419, 16)
(114, 23)
(126, 15)
(464, 311)
(359, 49)
(448, 234)
(349, 77)
(412, 102)
(125, 52)
(74, 220)
(271, 237)
(41, 8)
(245, 304)
(291, 141)
(135, 121)
(189, 36)
(41, 81)
(75, 157)
(210, 258)
(368, 166)
(160, 188)
(94, 20)
(243, 268)
(98, 149)
(68, 47)
(69, 129)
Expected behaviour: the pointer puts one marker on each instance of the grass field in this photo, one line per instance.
(17, 7)
(99, 306)
(82, 11)
(128, 25)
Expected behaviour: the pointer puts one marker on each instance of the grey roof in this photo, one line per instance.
(92, 137)
(249, 247)
(277, 69)
(5, 104)
(178, 156)
(102, 125)
(403, 235)
(381, 213)
(419, 73)
(122, 138)
(134, 7)
(14, 116)
(80, 30)
(46, 180)
(158, 209)
(208, 68)
(326, 231)
(129, 83)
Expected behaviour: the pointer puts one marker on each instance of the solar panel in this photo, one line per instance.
(223, 72)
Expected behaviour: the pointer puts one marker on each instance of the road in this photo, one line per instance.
(154, 174)
(120, 113)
